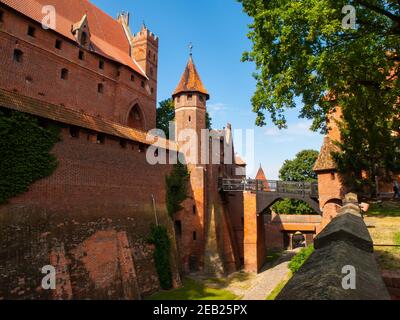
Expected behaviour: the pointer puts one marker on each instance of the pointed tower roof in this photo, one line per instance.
(261, 176)
(190, 81)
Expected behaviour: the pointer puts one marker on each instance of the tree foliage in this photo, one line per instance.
(290, 206)
(162, 253)
(166, 114)
(300, 48)
(300, 168)
(25, 152)
(176, 184)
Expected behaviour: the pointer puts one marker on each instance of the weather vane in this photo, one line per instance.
(191, 49)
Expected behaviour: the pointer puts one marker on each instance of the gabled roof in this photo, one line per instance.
(325, 161)
(18, 102)
(239, 161)
(108, 37)
(191, 81)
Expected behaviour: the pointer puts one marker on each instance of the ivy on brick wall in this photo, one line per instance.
(24, 152)
(160, 239)
(176, 188)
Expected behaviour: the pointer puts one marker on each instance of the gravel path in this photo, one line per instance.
(266, 281)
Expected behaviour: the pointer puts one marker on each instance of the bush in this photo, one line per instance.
(159, 238)
(25, 152)
(299, 259)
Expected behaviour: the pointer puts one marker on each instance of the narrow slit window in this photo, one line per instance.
(74, 132)
(58, 44)
(100, 88)
(1, 16)
(123, 143)
(101, 64)
(18, 55)
(194, 235)
(101, 138)
(132, 78)
(190, 97)
(64, 74)
(81, 55)
(31, 31)
(142, 84)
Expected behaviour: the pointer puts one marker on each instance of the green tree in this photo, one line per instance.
(166, 114)
(25, 152)
(300, 168)
(301, 49)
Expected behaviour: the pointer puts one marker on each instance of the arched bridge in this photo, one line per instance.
(270, 191)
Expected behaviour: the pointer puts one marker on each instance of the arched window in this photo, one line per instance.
(135, 118)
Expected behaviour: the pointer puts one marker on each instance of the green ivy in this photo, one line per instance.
(159, 238)
(25, 152)
(300, 258)
(176, 184)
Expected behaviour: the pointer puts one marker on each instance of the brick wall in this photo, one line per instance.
(91, 218)
(39, 74)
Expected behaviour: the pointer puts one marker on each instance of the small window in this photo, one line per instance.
(132, 78)
(178, 99)
(64, 74)
(201, 98)
(101, 64)
(123, 143)
(152, 90)
(81, 55)
(1, 16)
(84, 38)
(151, 71)
(58, 44)
(18, 54)
(332, 176)
(190, 118)
(74, 132)
(100, 88)
(101, 138)
(31, 31)
(194, 209)
(194, 235)
(142, 84)
(141, 147)
(190, 97)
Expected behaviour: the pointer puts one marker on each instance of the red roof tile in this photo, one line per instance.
(325, 159)
(191, 81)
(107, 34)
(15, 101)
(261, 176)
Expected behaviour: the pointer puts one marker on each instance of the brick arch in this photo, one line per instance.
(266, 199)
(135, 117)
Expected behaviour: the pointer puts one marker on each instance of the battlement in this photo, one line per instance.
(145, 34)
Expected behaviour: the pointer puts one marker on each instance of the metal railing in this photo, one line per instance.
(289, 187)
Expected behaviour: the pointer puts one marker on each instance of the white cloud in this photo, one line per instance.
(294, 131)
(217, 107)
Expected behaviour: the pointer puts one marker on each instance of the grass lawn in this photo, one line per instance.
(278, 288)
(193, 290)
(386, 208)
(385, 219)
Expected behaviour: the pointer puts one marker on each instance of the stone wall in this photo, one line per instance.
(345, 241)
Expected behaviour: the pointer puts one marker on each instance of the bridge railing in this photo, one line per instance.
(290, 187)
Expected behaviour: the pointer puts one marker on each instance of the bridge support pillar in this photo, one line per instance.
(254, 243)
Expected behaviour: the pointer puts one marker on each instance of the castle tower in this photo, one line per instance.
(145, 52)
(262, 178)
(190, 105)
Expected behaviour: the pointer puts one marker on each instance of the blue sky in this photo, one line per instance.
(217, 29)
